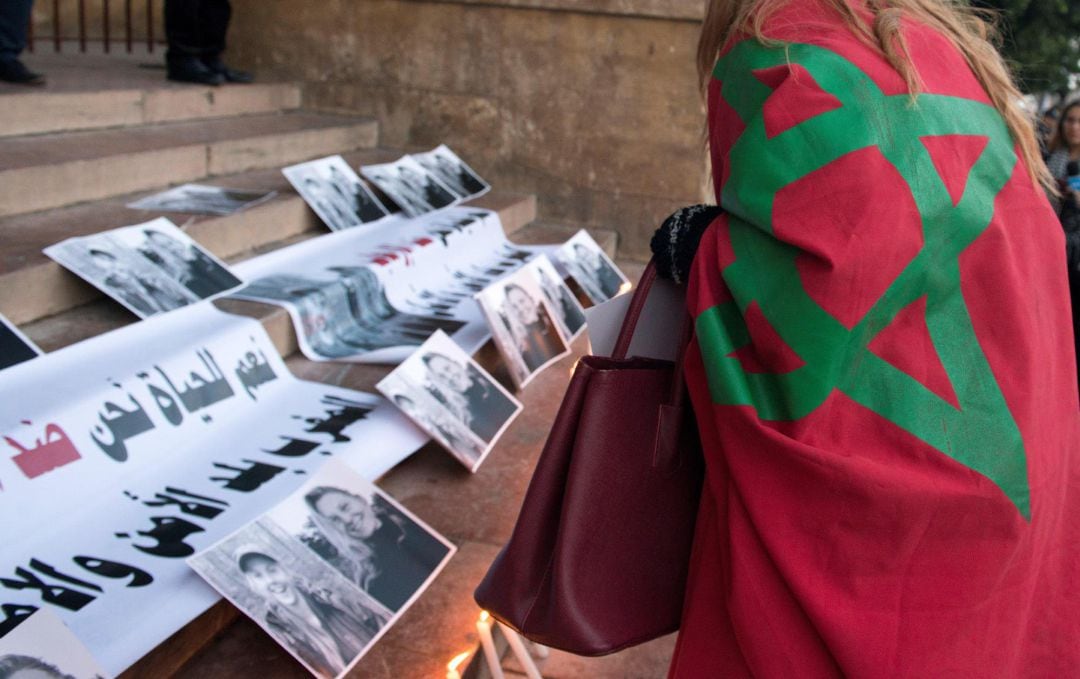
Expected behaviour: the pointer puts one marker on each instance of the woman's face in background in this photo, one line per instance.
(1070, 128)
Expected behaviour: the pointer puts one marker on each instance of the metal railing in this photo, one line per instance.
(56, 34)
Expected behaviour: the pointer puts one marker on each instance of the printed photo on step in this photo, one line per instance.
(122, 274)
(522, 324)
(448, 395)
(569, 315)
(592, 269)
(149, 268)
(334, 191)
(407, 183)
(202, 199)
(180, 258)
(452, 171)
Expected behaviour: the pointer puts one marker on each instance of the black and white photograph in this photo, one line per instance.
(149, 268)
(121, 273)
(407, 183)
(569, 315)
(593, 270)
(448, 395)
(173, 252)
(15, 347)
(452, 171)
(522, 324)
(202, 199)
(308, 607)
(42, 647)
(334, 191)
(345, 315)
(369, 539)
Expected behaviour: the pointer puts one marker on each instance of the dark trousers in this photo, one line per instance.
(195, 28)
(14, 19)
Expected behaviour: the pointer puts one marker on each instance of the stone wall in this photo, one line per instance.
(93, 18)
(590, 104)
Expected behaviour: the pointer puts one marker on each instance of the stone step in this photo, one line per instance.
(32, 286)
(101, 315)
(49, 171)
(539, 232)
(94, 91)
(44, 111)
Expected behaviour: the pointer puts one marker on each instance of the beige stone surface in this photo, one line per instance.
(47, 171)
(596, 113)
(91, 91)
(64, 182)
(278, 150)
(546, 232)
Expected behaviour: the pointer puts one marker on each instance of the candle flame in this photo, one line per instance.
(485, 616)
(625, 287)
(454, 664)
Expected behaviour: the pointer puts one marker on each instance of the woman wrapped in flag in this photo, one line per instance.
(883, 370)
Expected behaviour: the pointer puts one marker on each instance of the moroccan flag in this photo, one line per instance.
(883, 377)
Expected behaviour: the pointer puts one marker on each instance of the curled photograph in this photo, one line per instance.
(169, 249)
(569, 315)
(452, 171)
(447, 394)
(334, 191)
(522, 325)
(202, 199)
(121, 273)
(410, 186)
(591, 268)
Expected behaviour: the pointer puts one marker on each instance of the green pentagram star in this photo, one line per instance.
(982, 434)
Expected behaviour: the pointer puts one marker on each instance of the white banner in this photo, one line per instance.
(127, 453)
(381, 290)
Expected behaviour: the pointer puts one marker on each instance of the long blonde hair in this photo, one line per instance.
(972, 31)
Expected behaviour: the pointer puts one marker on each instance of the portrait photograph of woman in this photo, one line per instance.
(523, 325)
(448, 395)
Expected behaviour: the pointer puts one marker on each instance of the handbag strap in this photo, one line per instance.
(630, 321)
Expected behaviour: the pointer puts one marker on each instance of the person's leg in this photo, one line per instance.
(214, 19)
(187, 43)
(14, 20)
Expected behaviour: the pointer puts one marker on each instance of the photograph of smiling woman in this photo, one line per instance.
(374, 544)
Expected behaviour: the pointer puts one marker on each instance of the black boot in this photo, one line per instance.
(192, 70)
(216, 65)
(13, 71)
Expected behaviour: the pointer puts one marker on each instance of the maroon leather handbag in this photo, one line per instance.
(598, 558)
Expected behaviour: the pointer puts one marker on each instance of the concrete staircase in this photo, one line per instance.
(74, 153)
(106, 131)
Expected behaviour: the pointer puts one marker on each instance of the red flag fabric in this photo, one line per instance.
(883, 376)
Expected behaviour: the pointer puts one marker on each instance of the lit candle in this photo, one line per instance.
(483, 628)
(522, 655)
(452, 666)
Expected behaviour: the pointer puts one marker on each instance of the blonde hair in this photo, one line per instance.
(972, 31)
